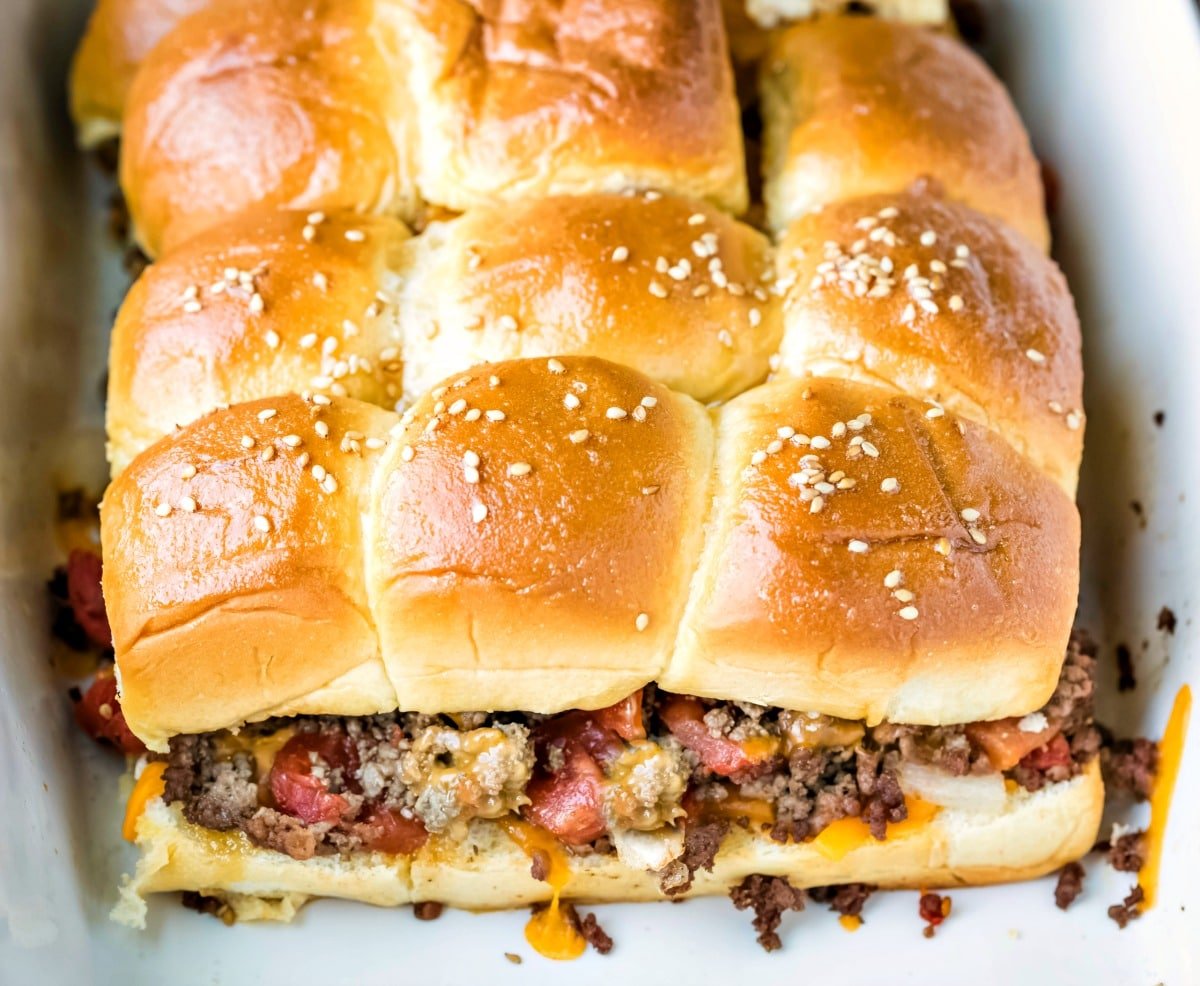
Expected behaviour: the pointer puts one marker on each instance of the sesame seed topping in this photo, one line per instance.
(187, 504)
(407, 453)
(308, 340)
(579, 436)
(942, 546)
(819, 442)
(969, 514)
(904, 595)
(893, 578)
(642, 621)
(494, 415)
(479, 511)
(458, 406)
(302, 460)
(507, 322)
(616, 413)
(908, 613)
(928, 238)
(697, 219)
(955, 303)
(934, 412)
(890, 485)
(191, 307)
(554, 366)
(256, 303)
(471, 475)
(262, 523)
(817, 504)
(570, 401)
(266, 414)
(977, 535)
(470, 459)
(322, 429)
(329, 484)
(247, 441)
(758, 458)
(650, 490)
(319, 472)
(188, 471)
(473, 414)
(857, 546)
(355, 235)
(620, 254)
(292, 441)
(267, 454)
(520, 469)
(1035, 356)
(639, 413)
(163, 510)
(657, 290)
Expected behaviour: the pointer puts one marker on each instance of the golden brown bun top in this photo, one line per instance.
(120, 34)
(538, 97)
(233, 562)
(858, 105)
(283, 103)
(824, 488)
(270, 303)
(941, 303)
(668, 285)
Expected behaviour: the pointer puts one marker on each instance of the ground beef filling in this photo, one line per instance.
(440, 772)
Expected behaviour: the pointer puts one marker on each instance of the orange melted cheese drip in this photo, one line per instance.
(149, 786)
(851, 922)
(550, 931)
(847, 834)
(1170, 752)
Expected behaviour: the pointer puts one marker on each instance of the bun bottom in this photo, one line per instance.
(1033, 835)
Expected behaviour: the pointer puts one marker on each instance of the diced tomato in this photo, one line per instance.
(624, 718)
(301, 793)
(384, 830)
(1005, 743)
(1056, 753)
(87, 601)
(569, 803)
(684, 716)
(99, 714)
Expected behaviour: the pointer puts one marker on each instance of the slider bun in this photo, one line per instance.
(857, 105)
(793, 608)
(525, 592)
(1033, 835)
(1005, 354)
(234, 622)
(279, 103)
(188, 340)
(576, 98)
(119, 35)
(547, 265)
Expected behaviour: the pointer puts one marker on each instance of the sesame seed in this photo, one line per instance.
(697, 218)
(616, 413)
(493, 381)
(329, 484)
(774, 446)
(893, 578)
(969, 514)
(554, 366)
(322, 429)
(857, 546)
(1035, 356)
(267, 454)
(315, 218)
(507, 322)
(473, 414)
(262, 523)
(355, 235)
(321, 399)
(191, 307)
(579, 436)
(955, 303)
(479, 511)
(187, 504)
(309, 232)
(755, 317)
(320, 281)
(266, 414)
(642, 621)
(1074, 420)
(650, 490)
(256, 303)
(494, 415)
(962, 251)
(458, 406)
(838, 430)
(942, 546)
(292, 441)
(639, 413)
(470, 459)
(890, 485)
(785, 432)
(163, 510)
(272, 339)
(908, 613)
(934, 412)
(928, 238)
(247, 441)
(977, 535)
(302, 460)
(570, 401)
(308, 340)
(407, 453)
(620, 254)
(520, 469)
(758, 458)
(904, 595)
(471, 475)
(819, 442)
(319, 472)
(188, 471)
(725, 338)
(817, 504)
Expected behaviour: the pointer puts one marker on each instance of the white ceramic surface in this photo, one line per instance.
(1111, 92)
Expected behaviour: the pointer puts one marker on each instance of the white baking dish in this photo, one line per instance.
(1111, 92)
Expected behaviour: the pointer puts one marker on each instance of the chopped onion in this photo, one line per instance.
(647, 850)
(973, 792)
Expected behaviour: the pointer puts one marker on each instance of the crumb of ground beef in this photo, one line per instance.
(1126, 678)
(882, 801)
(1160, 418)
(428, 910)
(934, 909)
(1069, 886)
(1127, 910)
(1128, 853)
(274, 830)
(1130, 766)
(594, 935)
(769, 897)
(539, 864)
(513, 957)
(701, 840)
(845, 898)
(1166, 620)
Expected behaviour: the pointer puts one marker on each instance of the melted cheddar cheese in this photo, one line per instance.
(1170, 752)
(550, 931)
(148, 787)
(847, 834)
